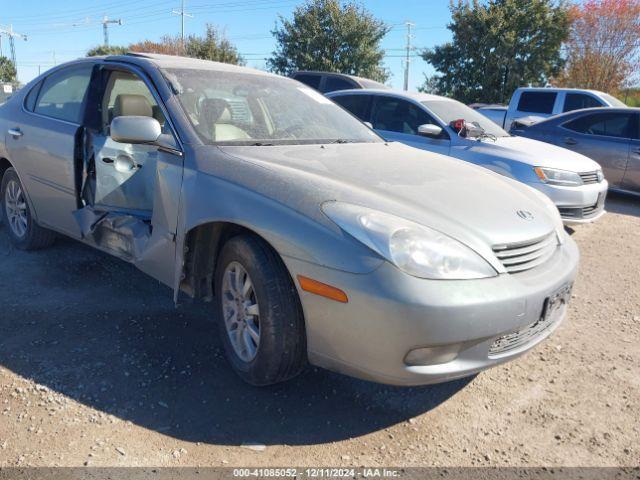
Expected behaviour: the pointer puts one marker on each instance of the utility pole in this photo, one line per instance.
(182, 14)
(407, 60)
(11, 35)
(105, 28)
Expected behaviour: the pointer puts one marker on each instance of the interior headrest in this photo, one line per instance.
(212, 109)
(127, 105)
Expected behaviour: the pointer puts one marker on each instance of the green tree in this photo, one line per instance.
(330, 36)
(107, 50)
(213, 46)
(498, 46)
(8, 71)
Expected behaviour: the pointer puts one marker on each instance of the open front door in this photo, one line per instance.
(125, 184)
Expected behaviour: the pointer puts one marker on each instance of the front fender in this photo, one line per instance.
(208, 198)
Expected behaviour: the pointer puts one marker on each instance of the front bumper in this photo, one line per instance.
(390, 313)
(584, 204)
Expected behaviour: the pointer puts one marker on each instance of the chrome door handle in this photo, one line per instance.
(14, 132)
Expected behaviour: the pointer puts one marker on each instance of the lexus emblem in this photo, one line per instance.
(525, 215)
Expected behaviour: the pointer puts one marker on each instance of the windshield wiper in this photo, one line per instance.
(261, 144)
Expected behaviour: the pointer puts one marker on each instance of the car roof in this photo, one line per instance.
(416, 96)
(560, 89)
(362, 80)
(174, 61)
(574, 113)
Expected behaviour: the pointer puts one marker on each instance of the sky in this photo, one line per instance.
(58, 31)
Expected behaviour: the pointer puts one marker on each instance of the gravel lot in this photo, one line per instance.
(97, 367)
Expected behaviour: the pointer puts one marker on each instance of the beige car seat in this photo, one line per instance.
(215, 117)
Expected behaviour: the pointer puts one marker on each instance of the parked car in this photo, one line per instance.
(529, 104)
(330, 82)
(6, 90)
(574, 182)
(317, 240)
(611, 137)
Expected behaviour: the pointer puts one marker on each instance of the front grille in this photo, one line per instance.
(515, 340)
(580, 213)
(519, 257)
(590, 211)
(589, 177)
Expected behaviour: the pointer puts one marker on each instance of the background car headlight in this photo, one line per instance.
(553, 176)
(415, 249)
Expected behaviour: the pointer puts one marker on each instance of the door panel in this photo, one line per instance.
(45, 151)
(125, 176)
(45, 139)
(631, 179)
(604, 137)
(125, 173)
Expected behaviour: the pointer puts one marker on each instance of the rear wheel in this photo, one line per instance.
(260, 317)
(23, 231)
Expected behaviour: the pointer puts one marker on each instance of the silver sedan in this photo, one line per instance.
(314, 239)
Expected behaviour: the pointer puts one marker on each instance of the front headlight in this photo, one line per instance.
(415, 249)
(553, 176)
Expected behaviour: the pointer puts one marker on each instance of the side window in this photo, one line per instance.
(126, 95)
(398, 115)
(62, 93)
(607, 124)
(32, 96)
(578, 101)
(358, 105)
(333, 83)
(309, 79)
(537, 102)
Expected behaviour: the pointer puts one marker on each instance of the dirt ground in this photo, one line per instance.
(97, 367)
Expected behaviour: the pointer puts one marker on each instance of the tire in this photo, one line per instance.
(23, 231)
(281, 352)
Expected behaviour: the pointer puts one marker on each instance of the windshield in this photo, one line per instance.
(231, 108)
(613, 101)
(451, 110)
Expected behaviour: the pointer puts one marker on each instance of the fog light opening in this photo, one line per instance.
(432, 355)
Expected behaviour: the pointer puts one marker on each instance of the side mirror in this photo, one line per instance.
(429, 130)
(135, 129)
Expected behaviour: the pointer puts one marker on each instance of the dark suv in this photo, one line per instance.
(330, 82)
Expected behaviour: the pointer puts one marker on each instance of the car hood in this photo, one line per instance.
(531, 152)
(464, 201)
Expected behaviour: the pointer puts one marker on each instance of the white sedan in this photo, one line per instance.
(574, 182)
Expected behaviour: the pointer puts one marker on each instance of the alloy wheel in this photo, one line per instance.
(16, 208)
(241, 312)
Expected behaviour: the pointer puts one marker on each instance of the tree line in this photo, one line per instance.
(495, 47)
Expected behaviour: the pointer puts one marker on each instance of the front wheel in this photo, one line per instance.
(260, 316)
(23, 231)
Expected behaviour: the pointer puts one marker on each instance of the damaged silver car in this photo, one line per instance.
(314, 239)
